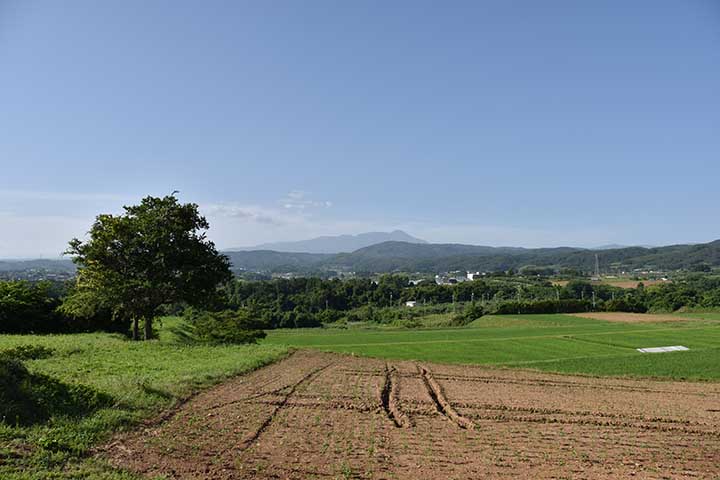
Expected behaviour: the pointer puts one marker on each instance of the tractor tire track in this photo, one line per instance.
(440, 400)
(334, 416)
(390, 398)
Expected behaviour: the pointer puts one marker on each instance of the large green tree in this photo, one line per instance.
(153, 255)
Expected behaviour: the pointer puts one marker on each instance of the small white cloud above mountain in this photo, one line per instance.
(300, 200)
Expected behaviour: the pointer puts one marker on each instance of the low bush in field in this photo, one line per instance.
(628, 304)
(385, 315)
(470, 312)
(229, 326)
(544, 306)
(408, 323)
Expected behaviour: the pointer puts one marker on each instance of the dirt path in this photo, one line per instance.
(321, 415)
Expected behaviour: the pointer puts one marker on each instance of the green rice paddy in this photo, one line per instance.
(557, 343)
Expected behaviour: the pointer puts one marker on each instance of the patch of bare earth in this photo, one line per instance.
(618, 283)
(321, 415)
(630, 317)
(634, 283)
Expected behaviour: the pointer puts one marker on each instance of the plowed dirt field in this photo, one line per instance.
(322, 415)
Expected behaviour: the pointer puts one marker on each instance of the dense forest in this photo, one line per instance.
(37, 307)
(305, 302)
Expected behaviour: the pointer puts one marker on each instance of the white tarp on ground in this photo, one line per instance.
(674, 348)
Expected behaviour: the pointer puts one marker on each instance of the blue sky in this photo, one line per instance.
(489, 122)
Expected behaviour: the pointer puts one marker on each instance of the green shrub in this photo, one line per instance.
(544, 306)
(229, 326)
(408, 323)
(628, 304)
(470, 313)
(329, 316)
(299, 318)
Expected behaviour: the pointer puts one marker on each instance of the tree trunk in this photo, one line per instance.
(148, 328)
(135, 330)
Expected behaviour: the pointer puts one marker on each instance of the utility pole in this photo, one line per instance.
(597, 266)
(557, 295)
(593, 299)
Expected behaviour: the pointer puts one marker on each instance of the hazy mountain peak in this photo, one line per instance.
(615, 246)
(338, 243)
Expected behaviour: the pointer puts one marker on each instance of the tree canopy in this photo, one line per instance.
(153, 255)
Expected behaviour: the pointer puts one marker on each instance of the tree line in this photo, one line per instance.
(42, 307)
(155, 259)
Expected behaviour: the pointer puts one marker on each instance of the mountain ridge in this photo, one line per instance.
(334, 244)
(428, 258)
(408, 257)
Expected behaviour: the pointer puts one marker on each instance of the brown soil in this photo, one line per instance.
(634, 283)
(630, 317)
(321, 415)
(617, 283)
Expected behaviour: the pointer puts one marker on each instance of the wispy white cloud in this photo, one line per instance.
(235, 225)
(299, 200)
(248, 214)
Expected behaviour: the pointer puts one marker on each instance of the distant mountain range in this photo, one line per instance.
(420, 256)
(429, 258)
(337, 244)
(615, 246)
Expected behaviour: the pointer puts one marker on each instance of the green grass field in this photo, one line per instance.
(141, 377)
(557, 343)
